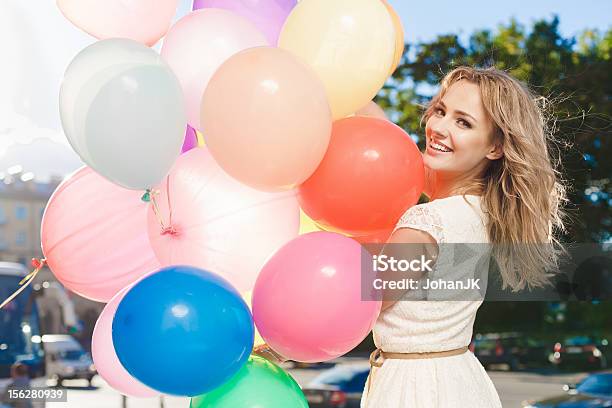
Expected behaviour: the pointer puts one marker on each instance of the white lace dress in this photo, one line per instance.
(434, 325)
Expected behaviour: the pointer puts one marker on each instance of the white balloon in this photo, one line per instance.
(122, 110)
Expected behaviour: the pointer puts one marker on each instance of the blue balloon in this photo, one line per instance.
(183, 331)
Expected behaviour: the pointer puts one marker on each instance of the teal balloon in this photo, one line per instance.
(258, 384)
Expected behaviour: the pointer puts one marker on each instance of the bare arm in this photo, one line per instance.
(421, 243)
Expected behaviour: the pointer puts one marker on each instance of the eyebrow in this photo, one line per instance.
(458, 111)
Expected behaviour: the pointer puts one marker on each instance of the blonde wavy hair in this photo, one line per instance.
(522, 192)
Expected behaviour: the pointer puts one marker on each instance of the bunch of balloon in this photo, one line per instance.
(370, 174)
(153, 225)
(205, 162)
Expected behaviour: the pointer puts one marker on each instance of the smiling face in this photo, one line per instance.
(460, 133)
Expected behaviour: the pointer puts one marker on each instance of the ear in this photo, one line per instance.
(496, 152)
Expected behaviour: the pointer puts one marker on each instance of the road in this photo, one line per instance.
(513, 388)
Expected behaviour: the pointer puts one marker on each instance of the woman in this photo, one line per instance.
(493, 183)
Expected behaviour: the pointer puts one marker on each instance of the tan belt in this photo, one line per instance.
(378, 357)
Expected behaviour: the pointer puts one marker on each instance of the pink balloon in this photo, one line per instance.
(134, 19)
(94, 236)
(268, 15)
(219, 224)
(105, 359)
(191, 140)
(198, 44)
(307, 300)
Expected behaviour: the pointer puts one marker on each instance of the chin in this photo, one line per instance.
(432, 162)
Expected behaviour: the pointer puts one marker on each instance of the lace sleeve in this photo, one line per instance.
(424, 218)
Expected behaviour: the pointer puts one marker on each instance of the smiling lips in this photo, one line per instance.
(440, 147)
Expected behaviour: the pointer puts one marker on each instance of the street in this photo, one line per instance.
(513, 388)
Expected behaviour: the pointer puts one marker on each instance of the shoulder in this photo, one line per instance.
(439, 218)
(423, 217)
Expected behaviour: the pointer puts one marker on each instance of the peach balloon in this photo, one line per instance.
(137, 20)
(217, 223)
(94, 236)
(199, 43)
(349, 43)
(266, 119)
(372, 110)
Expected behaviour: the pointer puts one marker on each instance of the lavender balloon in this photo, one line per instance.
(191, 140)
(267, 15)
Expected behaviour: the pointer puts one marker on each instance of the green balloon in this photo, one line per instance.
(258, 384)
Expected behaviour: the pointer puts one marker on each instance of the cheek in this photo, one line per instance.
(469, 142)
(429, 124)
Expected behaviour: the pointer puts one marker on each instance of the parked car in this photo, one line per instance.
(66, 359)
(594, 391)
(513, 350)
(579, 352)
(20, 330)
(338, 387)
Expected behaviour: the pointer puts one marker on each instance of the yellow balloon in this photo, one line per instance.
(200, 138)
(307, 224)
(248, 298)
(349, 43)
(399, 36)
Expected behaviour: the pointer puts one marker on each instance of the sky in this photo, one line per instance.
(38, 43)
(423, 20)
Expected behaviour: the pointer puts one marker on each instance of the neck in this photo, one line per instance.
(447, 185)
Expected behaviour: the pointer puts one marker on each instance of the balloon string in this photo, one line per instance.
(169, 203)
(265, 351)
(164, 229)
(156, 210)
(38, 265)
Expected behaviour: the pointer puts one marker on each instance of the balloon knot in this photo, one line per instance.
(146, 197)
(169, 231)
(37, 263)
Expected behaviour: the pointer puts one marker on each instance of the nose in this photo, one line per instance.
(440, 128)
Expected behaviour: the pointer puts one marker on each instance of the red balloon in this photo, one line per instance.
(371, 174)
(379, 237)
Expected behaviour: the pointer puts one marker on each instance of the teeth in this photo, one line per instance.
(439, 147)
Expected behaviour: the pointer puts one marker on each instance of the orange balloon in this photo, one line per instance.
(371, 174)
(399, 36)
(374, 242)
(266, 118)
(379, 237)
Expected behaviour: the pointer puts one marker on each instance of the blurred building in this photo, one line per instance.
(22, 204)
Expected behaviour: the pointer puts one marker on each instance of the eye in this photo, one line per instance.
(438, 111)
(464, 123)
